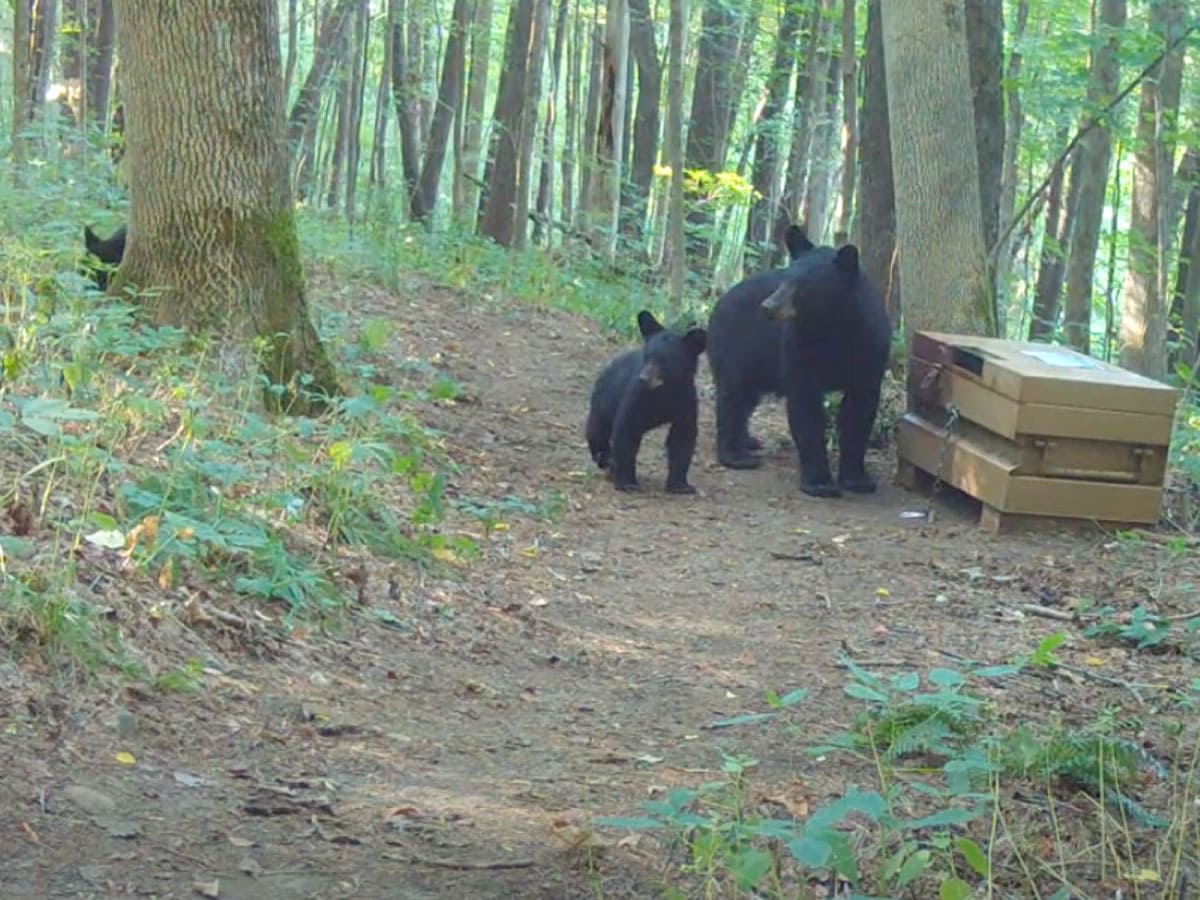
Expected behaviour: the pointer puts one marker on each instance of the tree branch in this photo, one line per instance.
(1079, 135)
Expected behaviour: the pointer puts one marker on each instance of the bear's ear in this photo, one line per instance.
(89, 238)
(796, 241)
(847, 259)
(696, 340)
(647, 324)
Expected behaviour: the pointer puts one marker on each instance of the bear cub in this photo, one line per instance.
(800, 332)
(640, 390)
(109, 251)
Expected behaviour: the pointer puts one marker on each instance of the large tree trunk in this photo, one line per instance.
(1043, 323)
(571, 124)
(1143, 303)
(378, 174)
(811, 64)
(877, 216)
(1013, 125)
(712, 95)
(1187, 285)
(1184, 314)
(302, 121)
(545, 194)
(100, 64)
(675, 239)
(591, 118)
(407, 111)
(1092, 159)
(769, 138)
(344, 85)
(507, 199)
(939, 221)
(824, 162)
(985, 54)
(849, 118)
(424, 199)
(22, 110)
(358, 60)
(606, 170)
(645, 120)
(481, 38)
(215, 257)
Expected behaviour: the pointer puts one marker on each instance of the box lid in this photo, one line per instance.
(1045, 373)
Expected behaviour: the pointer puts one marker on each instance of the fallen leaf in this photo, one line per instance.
(207, 888)
(125, 758)
(109, 539)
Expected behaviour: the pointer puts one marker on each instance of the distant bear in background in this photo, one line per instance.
(108, 251)
(640, 390)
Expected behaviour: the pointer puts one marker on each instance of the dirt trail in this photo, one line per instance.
(568, 674)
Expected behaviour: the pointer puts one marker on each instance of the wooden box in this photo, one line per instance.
(1040, 430)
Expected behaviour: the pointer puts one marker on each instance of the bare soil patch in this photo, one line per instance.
(568, 673)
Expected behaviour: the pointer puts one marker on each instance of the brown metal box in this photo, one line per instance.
(1041, 430)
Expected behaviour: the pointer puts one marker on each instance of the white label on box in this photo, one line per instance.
(1062, 360)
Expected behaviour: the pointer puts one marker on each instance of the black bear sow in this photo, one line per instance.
(836, 337)
(108, 250)
(640, 390)
(743, 354)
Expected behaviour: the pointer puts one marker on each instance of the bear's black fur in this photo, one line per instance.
(640, 390)
(816, 326)
(109, 251)
(743, 355)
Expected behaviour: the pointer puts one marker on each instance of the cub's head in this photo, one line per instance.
(668, 357)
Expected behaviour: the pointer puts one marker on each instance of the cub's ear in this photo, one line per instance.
(696, 340)
(847, 259)
(89, 238)
(647, 324)
(796, 241)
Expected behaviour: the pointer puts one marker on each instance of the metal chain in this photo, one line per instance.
(948, 430)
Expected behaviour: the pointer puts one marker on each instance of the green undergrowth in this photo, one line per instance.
(135, 478)
(944, 791)
(486, 274)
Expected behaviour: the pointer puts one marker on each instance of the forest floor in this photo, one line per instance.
(571, 672)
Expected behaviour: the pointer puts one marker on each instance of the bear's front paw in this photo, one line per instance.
(820, 488)
(682, 488)
(627, 486)
(857, 484)
(739, 460)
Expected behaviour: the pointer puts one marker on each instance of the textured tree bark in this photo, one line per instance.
(606, 170)
(877, 204)
(1092, 160)
(545, 194)
(302, 121)
(1184, 311)
(823, 165)
(849, 118)
(712, 95)
(507, 200)
(424, 199)
(645, 119)
(211, 231)
(1056, 238)
(481, 36)
(939, 221)
(407, 114)
(21, 108)
(678, 259)
(769, 138)
(1014, 122)
(1143, 302)
(985, 54)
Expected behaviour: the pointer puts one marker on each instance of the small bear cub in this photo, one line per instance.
(640, 390)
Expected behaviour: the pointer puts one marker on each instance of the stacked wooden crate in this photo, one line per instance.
(1035, 430)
